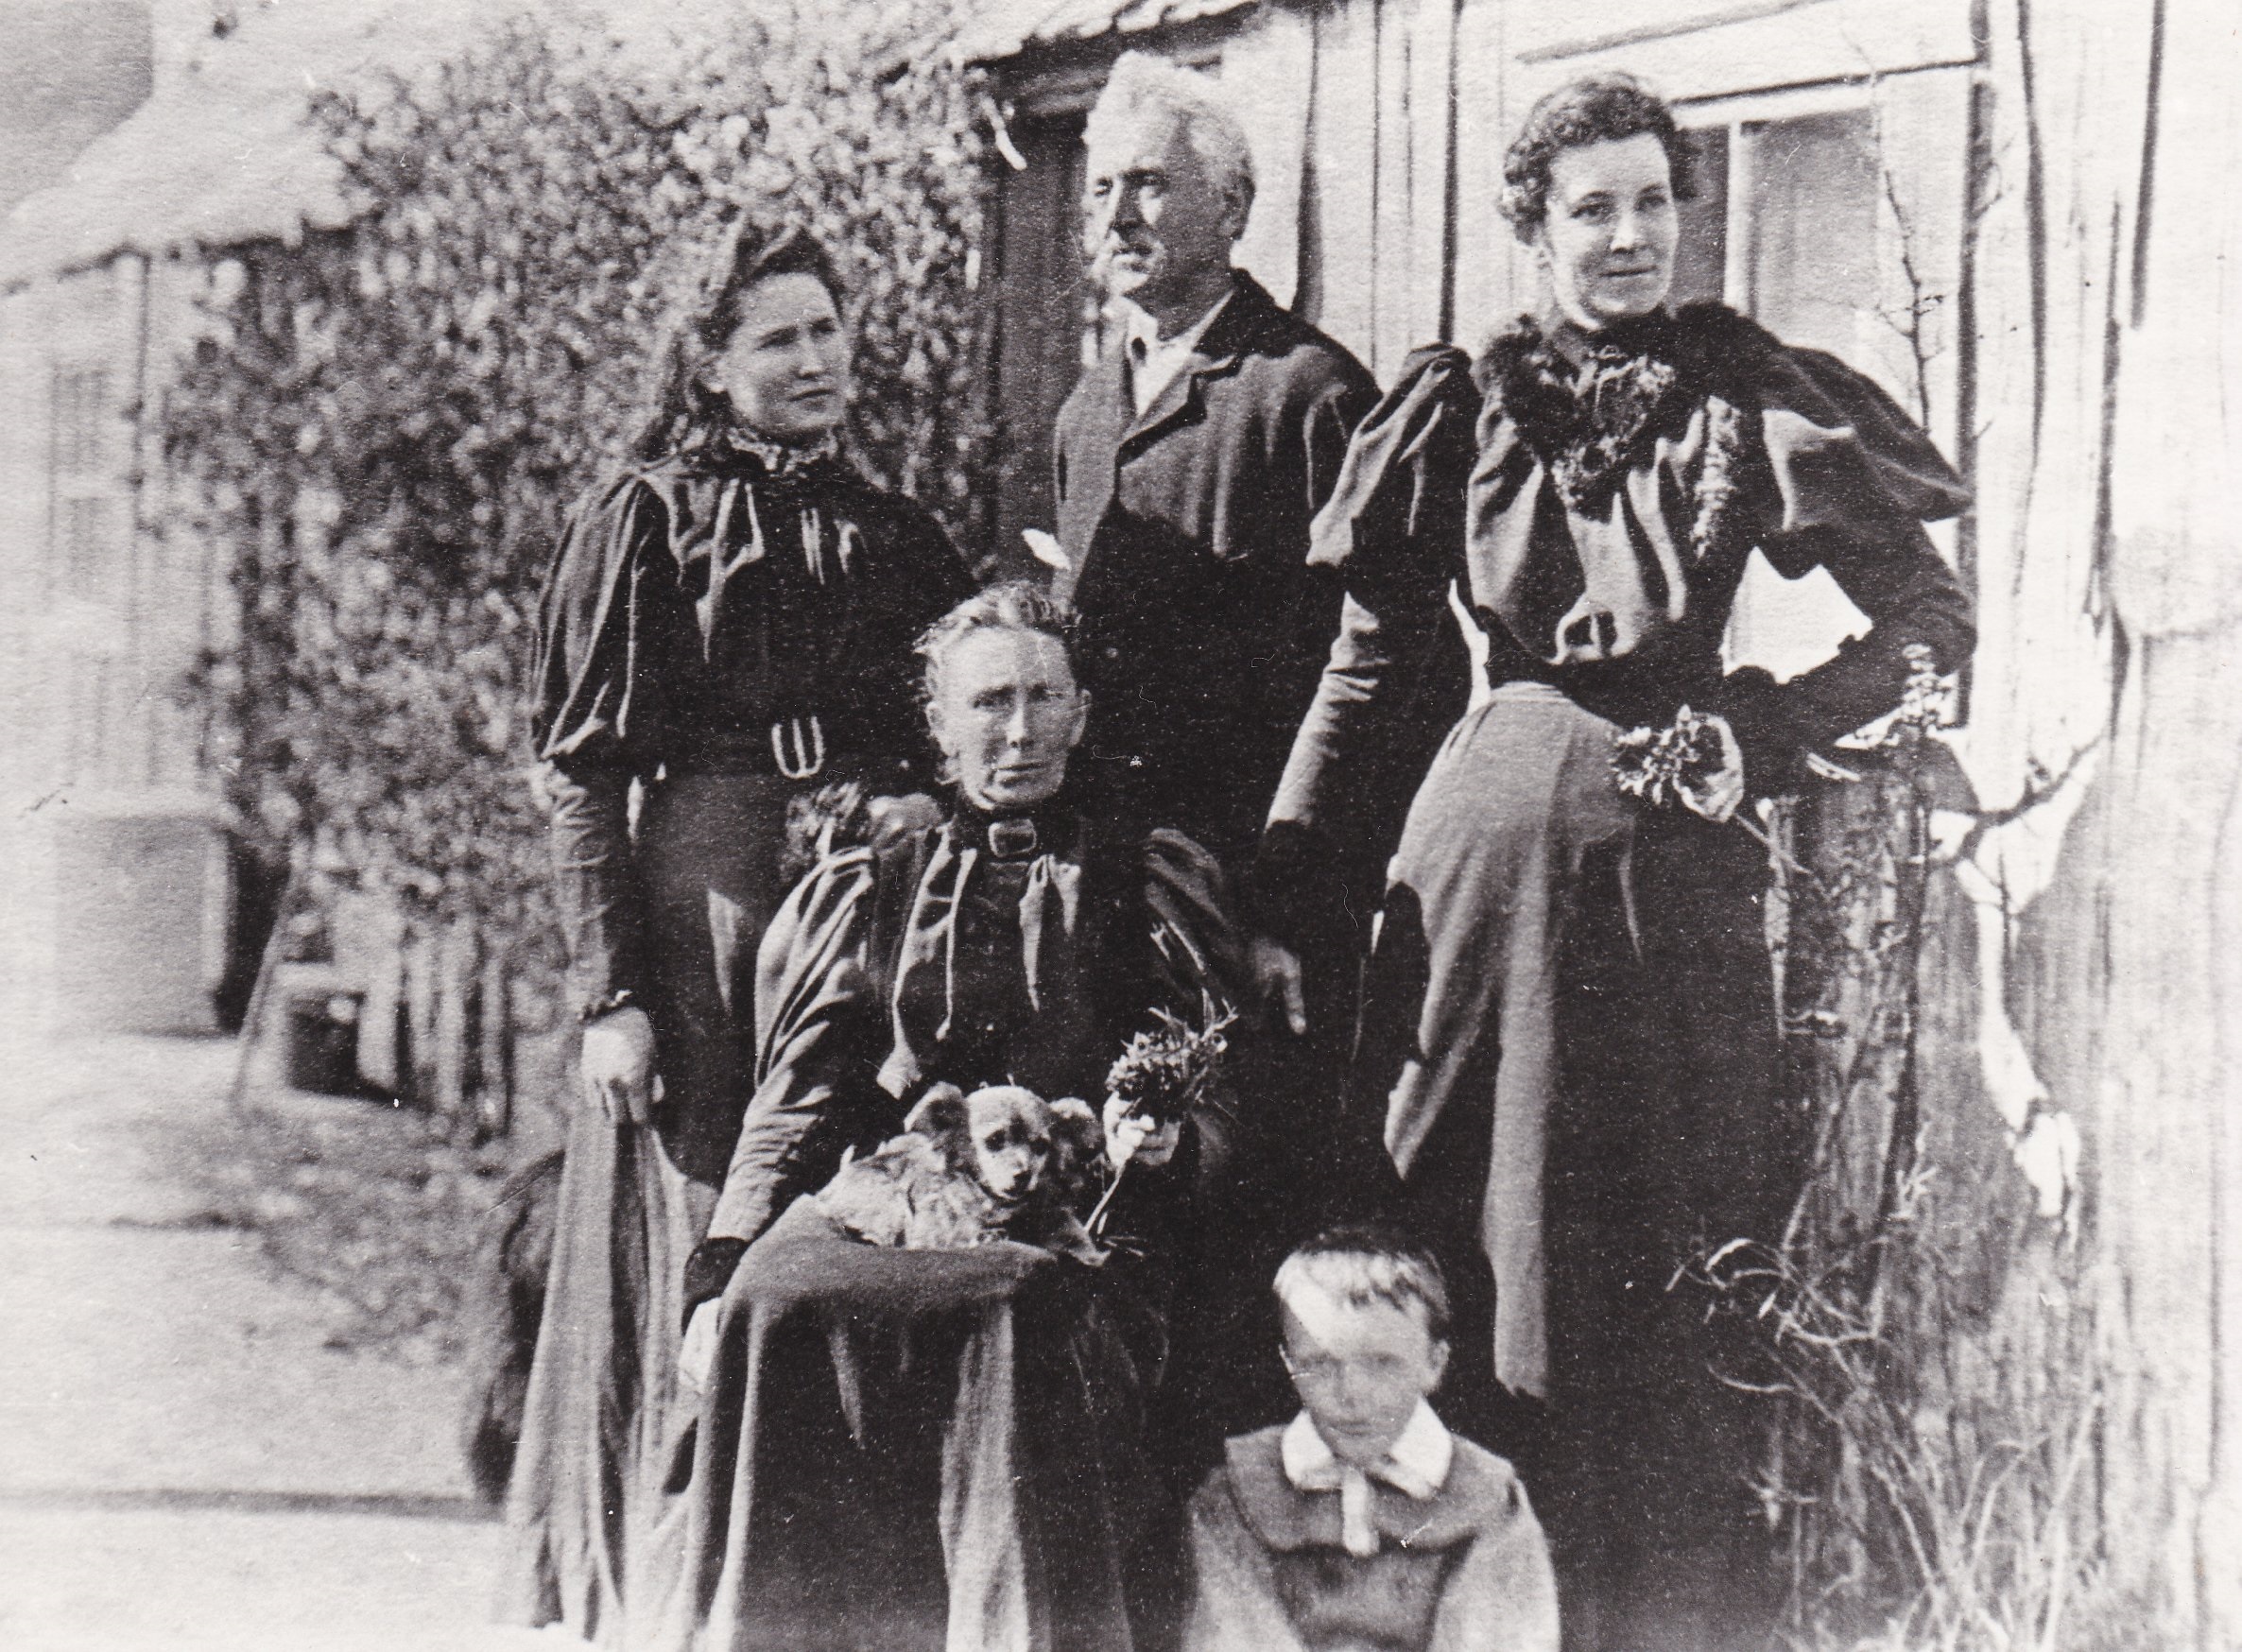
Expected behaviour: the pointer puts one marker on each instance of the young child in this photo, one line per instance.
(1363, 1523)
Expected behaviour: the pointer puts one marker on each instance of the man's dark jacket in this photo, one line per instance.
(1204, 630)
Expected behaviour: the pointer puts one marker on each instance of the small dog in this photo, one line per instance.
(1000, 1164)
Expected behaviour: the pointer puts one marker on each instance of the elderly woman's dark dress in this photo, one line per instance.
(1568, 1028)
(1024, 949)
(720, 631)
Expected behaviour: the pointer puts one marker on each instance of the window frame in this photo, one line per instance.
(1929, 111)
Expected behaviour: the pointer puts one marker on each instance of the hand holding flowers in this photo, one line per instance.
(1696, 761)
(1159, 1078)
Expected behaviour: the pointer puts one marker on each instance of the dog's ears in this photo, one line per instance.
(1075, 1122)
(940, 1112)
(1073, 1110)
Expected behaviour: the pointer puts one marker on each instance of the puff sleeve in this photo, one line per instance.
(593, 699)
(819, 1030)
(589, 707)
(1849, 481)
(1198, 954)
(1393, 531)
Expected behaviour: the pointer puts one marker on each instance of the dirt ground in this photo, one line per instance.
(201, 1447)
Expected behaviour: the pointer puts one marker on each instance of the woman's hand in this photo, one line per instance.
(1719, 795)
(1131, 1136)
(1277, 976)
(696, 1354)
(619, 1065)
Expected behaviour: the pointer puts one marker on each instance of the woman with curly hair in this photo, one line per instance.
(727, 626)
(1568, 1028)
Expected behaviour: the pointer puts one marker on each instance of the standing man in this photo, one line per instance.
(1190, 459)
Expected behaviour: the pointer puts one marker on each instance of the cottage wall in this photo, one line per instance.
(118, 908)
(2114, 652)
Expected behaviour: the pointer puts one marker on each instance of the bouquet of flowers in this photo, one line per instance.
(1658, 764)
(1666, 766)
(1162, 1073)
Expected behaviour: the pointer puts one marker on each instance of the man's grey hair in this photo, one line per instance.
(1142, 84)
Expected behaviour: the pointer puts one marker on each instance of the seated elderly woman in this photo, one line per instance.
(901, 1446)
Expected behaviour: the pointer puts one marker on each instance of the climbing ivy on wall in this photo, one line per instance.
(383, 425)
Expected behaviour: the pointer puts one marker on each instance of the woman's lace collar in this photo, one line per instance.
(1587, 401)
(729, 445)
(1588, 404)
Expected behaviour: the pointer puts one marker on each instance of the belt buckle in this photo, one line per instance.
(800, 753)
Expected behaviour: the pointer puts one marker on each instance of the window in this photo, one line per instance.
(1784, 227)
(1808, 231)
(1835, 216)
(1700, 264)
(86, 561)
(81, 418)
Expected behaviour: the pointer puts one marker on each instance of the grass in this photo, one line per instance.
(377, 1206)
(1929, 1442)
(1922, 1511)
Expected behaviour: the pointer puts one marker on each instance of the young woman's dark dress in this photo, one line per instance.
(722, 630)
(1568, 1035)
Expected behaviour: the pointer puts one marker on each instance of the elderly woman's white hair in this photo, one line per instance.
(1143, 84)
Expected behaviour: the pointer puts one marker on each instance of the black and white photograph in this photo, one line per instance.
(1120, 825)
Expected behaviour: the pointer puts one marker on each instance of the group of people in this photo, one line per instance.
(833, 828)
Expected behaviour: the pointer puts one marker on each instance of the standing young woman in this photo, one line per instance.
(1568, 1029)
(728, 625)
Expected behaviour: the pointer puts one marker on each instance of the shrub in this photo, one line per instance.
(383, 424)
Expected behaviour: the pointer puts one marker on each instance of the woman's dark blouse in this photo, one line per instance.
(1595, 499)
(693, 608)
(934, 958)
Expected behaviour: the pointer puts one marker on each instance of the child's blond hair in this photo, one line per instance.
(1361, 1263)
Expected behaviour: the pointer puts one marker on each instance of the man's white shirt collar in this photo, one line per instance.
(1154, 362)
(1415, 1465)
